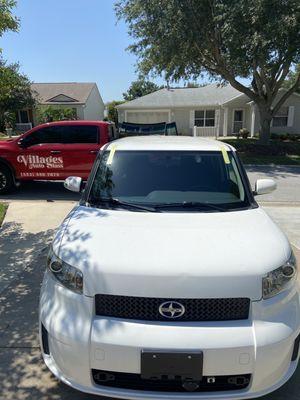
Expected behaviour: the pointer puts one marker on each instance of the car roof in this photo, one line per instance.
(156, 142)
(72, 122)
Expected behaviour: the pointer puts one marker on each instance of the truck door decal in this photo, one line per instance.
(32, 162)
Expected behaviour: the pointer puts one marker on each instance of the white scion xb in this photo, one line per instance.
(168, 280)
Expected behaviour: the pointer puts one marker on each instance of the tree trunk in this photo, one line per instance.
(2, 124)
(265, 124)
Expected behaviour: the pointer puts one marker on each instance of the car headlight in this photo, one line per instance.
(68, 276)
(279, 279)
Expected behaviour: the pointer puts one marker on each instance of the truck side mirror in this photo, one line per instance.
(22, 143)
(73, 183)
(264, 186)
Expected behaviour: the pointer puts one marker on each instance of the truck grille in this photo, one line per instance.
(135, 382)
(147, 308)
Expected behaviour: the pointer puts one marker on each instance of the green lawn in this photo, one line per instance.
(6, 137)
(277, 152)
(3, 208)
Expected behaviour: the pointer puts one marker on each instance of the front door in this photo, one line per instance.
(238, 120)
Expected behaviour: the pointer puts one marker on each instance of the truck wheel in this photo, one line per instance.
(6, 180)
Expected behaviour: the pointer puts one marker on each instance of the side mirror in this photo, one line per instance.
(22, 143)
(73, 183)
(265, 186)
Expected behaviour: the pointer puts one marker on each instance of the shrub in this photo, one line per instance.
(112, 113)
(50, 114)
(244, 133)
(285, 136)
(9, 119)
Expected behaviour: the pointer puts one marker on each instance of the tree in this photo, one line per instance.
(112, 113)
(229, 39)
(192, 85)
(292, 77)
(140, 88)
(8, 22)
(15, 91)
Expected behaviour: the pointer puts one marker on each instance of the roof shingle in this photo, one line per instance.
(210, 95)
(74, 90)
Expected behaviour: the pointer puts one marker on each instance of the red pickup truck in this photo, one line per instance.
(52, 151)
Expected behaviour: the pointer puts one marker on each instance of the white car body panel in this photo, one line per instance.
(173, 254)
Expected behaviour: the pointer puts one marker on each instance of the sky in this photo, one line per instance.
(72, 41)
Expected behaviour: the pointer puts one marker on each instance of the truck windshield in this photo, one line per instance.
(170, 179)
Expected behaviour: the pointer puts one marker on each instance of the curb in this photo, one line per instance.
(279, 203)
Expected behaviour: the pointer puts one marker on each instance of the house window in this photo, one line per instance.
(205, 118)
(22, 117)
(281, 118)
(238, 120)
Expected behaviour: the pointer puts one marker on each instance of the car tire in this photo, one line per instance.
(6, 180)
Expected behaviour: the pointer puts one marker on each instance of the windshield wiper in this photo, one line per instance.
(189, 204)
(117, 202)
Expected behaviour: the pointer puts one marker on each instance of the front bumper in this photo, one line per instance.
(79, 342)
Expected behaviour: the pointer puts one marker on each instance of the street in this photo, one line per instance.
(34, 213)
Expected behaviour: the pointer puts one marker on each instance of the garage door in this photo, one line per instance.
(147, 117)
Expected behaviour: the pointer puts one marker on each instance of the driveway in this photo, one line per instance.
(286, 177)
(34, 213)
(41, 190)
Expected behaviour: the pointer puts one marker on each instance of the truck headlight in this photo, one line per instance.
(68, 276)
(278, 280)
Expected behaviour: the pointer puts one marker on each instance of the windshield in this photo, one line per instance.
(170, 178)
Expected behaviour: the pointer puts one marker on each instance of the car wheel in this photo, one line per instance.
(6, 180)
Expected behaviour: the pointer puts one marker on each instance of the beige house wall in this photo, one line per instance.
(94, 107)
(293, 101)
(182, 119)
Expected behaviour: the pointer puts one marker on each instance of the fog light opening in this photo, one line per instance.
(238, 381)
(190, 386)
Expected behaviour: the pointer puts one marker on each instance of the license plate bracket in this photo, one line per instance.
(186, 366)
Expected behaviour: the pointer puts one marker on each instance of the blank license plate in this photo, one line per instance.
(164, 365)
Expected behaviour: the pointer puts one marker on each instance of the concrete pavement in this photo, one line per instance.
(30, 225)
(286, 177)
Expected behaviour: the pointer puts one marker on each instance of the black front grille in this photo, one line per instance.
(147, 308)
(135, 382)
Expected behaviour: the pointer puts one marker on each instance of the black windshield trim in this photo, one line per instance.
(190, 205)
(119, 203)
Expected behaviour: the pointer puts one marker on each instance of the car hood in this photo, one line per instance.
(172, 254)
